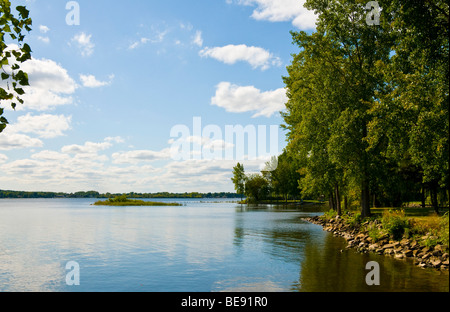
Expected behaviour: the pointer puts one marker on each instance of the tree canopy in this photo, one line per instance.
(13, 26)
(367, 111)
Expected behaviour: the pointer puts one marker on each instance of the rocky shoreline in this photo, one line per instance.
(436, 257)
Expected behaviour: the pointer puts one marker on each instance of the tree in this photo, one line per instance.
(412, 117)
(239, 179)
(13, 28)
(285, 178)
(256, 187)
(332, 86)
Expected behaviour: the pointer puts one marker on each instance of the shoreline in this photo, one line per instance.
(436, 257)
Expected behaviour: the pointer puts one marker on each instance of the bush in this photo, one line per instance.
(443, 230)
(375, 232)
(395, 223)
(352, 219)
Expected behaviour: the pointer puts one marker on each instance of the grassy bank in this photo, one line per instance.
(428, 229)
(122, 201)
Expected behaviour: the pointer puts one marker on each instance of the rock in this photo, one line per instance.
(399, 256)
(436, 262)
(388, 246)
(404, 242)
(426, 256)
(408, 253)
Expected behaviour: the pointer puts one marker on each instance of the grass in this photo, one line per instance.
(422, 225)
(123, 201)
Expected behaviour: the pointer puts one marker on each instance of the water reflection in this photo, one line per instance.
(329, 267)
(197, 247)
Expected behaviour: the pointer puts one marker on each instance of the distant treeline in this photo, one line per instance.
(94, 194)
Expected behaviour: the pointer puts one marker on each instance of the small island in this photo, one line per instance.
(123, 200)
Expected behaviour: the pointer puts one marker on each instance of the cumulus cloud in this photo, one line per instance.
(257, 57)
(133, 157)
(84, 42)
(45, 126)
(238, 99)
(89, 81)
(87, 148)
(3, 158)
(282, 11)
(10, 141)
(50, 85)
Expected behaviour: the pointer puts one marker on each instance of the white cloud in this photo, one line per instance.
(50, 85)
(3, 158)
(116, 139)
(136, 44)
(84, 43)
(198, 40)
(238, 99)
(282, 11)
(10, 140)
(44, 39)
(257, 57)
(45, 126)
(89, 81)
(87, 148)
(44, 29)
(133, 157)
(50, 156)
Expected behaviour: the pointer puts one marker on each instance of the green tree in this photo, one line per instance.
(256, 187)
(412, 117)
(239, 179)
(285, 178)
(12, 28)
(332, 86)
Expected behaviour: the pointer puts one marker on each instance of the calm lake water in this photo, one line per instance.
(199, 247)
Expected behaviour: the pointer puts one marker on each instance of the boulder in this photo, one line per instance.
(408, 252)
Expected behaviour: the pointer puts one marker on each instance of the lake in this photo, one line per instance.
(202, 246)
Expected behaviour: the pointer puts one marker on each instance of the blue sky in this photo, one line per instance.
(106, 93)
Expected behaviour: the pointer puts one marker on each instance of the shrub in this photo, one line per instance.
(395, 223)
(443, 230)
(330, 214)
(353, 219)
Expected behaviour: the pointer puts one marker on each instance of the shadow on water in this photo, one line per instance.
(329, 267)
(324, 264)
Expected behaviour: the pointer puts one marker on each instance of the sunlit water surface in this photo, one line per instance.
(198, 247)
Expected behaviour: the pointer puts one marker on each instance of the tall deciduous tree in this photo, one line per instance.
(239, 179)
(12, 29)
(332, 86)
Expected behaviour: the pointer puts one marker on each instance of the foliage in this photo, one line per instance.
(395, 223)
(122, 200)
(352, 219)
(256, 187)
(11, 57)
(367, 116)
(239, 179)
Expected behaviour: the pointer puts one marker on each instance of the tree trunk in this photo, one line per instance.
(346, 203)
(434, 199)
(423, 197)
(332, 202)
(338, 200)
(365, 199)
